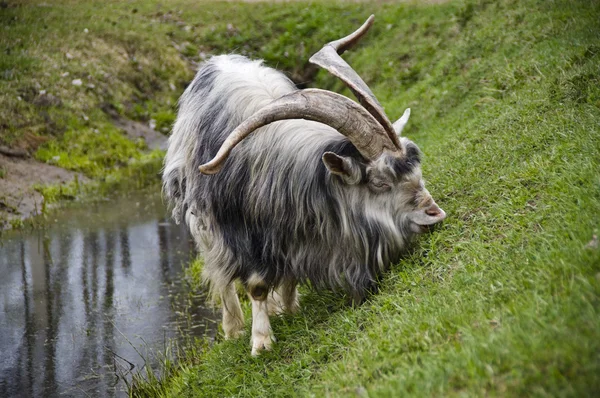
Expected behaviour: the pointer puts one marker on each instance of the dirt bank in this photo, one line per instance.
(19, 177)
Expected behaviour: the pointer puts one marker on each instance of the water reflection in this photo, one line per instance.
(102, 287)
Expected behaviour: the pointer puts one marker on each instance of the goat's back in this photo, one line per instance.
(226, 90)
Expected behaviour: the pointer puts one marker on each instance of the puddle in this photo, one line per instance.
(99, 289)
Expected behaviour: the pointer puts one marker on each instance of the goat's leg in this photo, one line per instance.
(262, 336)
(275, 302)
(233, 318)
(284, 299)
(289, 295)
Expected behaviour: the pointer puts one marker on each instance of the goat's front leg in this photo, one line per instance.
(262, 336)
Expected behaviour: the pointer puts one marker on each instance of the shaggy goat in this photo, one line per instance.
(325, 190)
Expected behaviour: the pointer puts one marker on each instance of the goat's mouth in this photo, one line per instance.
(422, 228)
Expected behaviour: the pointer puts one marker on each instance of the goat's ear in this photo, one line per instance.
(345, 167)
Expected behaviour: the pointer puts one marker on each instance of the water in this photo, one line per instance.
(92, 295)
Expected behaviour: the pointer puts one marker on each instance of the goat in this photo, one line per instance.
(324, 191)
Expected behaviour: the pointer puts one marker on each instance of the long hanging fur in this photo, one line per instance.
(274, 209)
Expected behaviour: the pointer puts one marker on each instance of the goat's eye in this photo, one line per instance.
(380, 185)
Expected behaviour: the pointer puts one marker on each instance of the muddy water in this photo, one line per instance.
(94, 294)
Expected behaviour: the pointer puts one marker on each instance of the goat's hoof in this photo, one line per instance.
(260, 343)
(293, 308)
(234, 334)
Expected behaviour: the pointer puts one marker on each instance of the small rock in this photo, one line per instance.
(86, 30)
(69, 56)
(45, 100)
(361, 392)
(19, 98)
(65, 74)
(152, 124)
(388, 26)
(593, 244)
(202, 55)
(77, 82)
(55, 158)
(187, 28)
(86, 118)
(172, 87)
(91, 85)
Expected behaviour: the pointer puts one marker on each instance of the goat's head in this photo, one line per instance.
(387, 168)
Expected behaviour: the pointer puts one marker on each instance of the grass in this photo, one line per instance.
(64, 80)
(103, 48)
(503, 300)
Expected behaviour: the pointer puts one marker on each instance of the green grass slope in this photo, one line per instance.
(503, 300)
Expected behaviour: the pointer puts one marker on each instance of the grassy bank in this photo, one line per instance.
(503, 299)
(70, 73)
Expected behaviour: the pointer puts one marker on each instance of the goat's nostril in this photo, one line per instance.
(433, 211)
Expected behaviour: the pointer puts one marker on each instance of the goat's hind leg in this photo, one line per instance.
(233, 318)
(284, 299)
(289, 295)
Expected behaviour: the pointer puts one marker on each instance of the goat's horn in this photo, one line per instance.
(335, 110)
(329, 58)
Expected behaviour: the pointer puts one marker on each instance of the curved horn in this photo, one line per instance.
(335, 110)
(329, 58)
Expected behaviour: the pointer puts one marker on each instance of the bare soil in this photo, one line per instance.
(19, 176)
